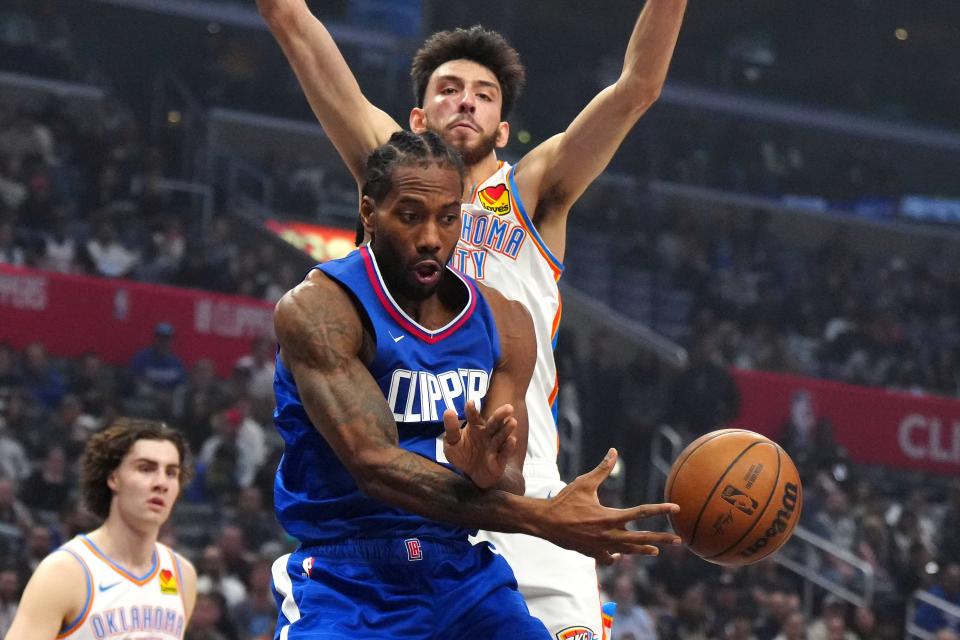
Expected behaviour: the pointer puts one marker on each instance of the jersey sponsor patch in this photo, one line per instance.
(576, 633)
(168, 582)
(495, 199)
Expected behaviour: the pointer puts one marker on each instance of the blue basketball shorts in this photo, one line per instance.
(412, 589)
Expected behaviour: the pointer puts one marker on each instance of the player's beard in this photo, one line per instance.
(473, 153)
(398, 274)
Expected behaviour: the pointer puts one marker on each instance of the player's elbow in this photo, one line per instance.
(638, 94)
(279, 16)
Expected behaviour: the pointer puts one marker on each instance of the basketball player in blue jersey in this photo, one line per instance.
(117, 581)
(382, 355)
(514, 228)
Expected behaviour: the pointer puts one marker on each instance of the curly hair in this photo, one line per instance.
(483, 46)
(405, 149)
(106, 449)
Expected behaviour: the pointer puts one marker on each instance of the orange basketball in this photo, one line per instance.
(739, 494)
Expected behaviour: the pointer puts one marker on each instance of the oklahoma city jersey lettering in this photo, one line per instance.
(421, 373)
(120, 605)
(499, 246)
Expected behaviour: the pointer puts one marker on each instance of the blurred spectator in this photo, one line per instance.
(258, 525)
(232, 456)
(213, 577)
(633, 621)
(58, 247)
(237, 558)
(12, 251)
(948, 588)
(204, 396)
(256, 615)
(13, 458)
(9, 598)
(158, 373)
(93, 382)
(259, 366)
(832, 623)
(704, 397)
(41, 379)
(794, 628)
(834, 521)
(51, 485)
(15, 518)
(208, 618)
(108, 256)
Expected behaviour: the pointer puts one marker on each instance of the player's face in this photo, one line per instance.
(463, 104)
(415, 228)
(146, 484)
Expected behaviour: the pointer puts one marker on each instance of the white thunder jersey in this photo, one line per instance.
(500, 247)
(120, 605)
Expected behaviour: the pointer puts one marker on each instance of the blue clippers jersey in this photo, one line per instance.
(421, 373)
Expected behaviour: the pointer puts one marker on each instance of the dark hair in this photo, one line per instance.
(480, 45)
(405, 149)
(106, 449)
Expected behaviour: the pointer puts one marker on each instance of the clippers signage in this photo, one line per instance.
(71, 314)
(874, 425)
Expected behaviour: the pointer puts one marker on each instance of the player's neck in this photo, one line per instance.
(440, 309)
(130, 548)
(478, 173)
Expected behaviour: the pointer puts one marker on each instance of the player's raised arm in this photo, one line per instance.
(355, 126)
(53, 599)
(557, 172)
(499, 446)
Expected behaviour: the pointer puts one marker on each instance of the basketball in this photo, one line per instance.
(739, 494)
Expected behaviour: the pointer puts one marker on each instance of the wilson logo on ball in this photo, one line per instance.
(789, 501)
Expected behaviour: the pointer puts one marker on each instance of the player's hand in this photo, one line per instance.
(482, 448)
(577, 520)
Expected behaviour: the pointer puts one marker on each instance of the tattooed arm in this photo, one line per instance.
(321, 338)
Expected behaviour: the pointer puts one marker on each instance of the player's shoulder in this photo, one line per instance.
(506, 312)
(63, 570)
(318, 292)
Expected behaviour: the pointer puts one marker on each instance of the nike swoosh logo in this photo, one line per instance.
(398, 338)
(107, 587)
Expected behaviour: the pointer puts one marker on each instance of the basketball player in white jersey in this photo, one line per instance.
(515, 218)
(117, 581)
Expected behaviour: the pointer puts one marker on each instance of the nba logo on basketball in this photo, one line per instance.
(414, 552)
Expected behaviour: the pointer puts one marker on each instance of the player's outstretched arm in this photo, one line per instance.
(321, 337)
(54, 596)
(557, 172)
(491, 450)
(355, 126)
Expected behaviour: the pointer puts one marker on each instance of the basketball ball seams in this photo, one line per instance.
(773, 490)
(685, 455)
(713, 491)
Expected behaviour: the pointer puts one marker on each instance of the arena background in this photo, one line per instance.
(774, 247)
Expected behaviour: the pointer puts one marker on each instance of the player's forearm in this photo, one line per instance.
(651, 48)
(409, 481)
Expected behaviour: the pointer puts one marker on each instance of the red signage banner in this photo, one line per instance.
(320, 243)
(71, 314)
(876, 426)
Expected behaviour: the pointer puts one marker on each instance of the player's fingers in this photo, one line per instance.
(498, 418)
(506, 429)
(451, 427)
(642, 511)
(595, 477)
(506, 451)
(472, 414)
(606, 558)
(645, 538)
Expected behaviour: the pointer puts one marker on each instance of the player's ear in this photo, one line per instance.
(418, 120)
(503, 134)
(112, 481)
(368, 209)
